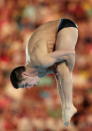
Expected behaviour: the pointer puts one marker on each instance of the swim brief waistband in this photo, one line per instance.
(64, 23)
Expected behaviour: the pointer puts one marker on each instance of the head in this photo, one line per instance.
(20, 78)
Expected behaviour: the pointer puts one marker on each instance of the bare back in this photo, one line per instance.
(42, 41)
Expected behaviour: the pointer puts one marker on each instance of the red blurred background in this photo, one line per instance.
(39, 108)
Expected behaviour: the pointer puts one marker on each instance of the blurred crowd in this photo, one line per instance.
(39, 108)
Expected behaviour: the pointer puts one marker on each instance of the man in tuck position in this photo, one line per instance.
(51, 49)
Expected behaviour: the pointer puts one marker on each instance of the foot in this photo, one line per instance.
(67, 114)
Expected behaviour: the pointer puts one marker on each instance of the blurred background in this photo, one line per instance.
(39, 108)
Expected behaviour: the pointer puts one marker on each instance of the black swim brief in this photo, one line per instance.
(64, 23)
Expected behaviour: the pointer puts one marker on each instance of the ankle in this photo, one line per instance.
(70, 106)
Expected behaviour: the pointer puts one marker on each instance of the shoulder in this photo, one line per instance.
(44, 30)
(45, 27)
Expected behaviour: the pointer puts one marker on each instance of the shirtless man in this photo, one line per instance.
(51, 49)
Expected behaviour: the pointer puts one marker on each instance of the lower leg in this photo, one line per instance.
(65, 76)
(60, 89)
(61, 94)
(66, 80)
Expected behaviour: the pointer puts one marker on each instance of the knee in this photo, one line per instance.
(62, 70)
(70, 62)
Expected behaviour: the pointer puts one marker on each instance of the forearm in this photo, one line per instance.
(61, 55)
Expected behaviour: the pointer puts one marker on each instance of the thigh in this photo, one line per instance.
(67, 35)
(65, 42)
(66, 39)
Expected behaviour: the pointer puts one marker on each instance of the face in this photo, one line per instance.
(29, 80)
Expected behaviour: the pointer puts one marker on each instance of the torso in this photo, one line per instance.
(42, 41)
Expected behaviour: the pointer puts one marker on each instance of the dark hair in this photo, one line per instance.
(16, 77)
